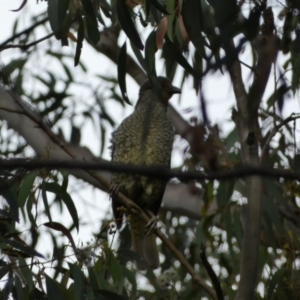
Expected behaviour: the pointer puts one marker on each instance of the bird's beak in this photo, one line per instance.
(175, 90)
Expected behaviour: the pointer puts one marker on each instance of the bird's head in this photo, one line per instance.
(166, 88)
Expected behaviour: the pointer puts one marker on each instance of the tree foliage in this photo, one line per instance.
(232, 238)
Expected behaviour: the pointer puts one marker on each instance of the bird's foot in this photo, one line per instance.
(114, 190)
(151, 225)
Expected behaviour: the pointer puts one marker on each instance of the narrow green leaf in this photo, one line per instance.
(3, 271)
(29, 208)
(297, 162)
(224, 11)
(105, 4)
(110, 295)
(170, 63)
(26, 272)
(127, 24)
(208, 195)
(147, 7)
(139, 57)
(100, 18)
(274, 195)
(229, 232)
(106, 12)
(115, 270)
(57, 10)
(231, 139)
(65, 278)
(155, 14)
(159, 7)
(78, 278)
(194, 26)
(80, 37)
(122, 72)
(92, 31)
(131, 278)
(238, 228)
(93, 279)
(103, 135)
(59, 227)
(277, 94)
(68, 73)
(224, 192)
(10, 198)
(150, 50)
(7, 288)
(89, 10)
(53, 290)
(45, 200)
(20, 7)
(66, 24)
(142, 19)
(275, 280)
(65, 183)
(91, 21)
(53, 14)
(199, 235)
(52, 187)
(61, 14)
(170, 19)
(18, 286)
(174, 50)
(26, 187)
(16, 64)
(208, 22)
(101, 272)
(66, 198)
(198, 66)
(22, 247)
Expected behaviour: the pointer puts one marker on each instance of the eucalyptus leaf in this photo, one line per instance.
(176, 53)
(22, 247)
(127, 24)
(53, 290)
(150, 50)
(80, 37)
(25, 187)
(10, 198)
(122, 67)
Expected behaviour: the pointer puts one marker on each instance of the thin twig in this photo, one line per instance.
(211, 273)
(25, 31)
(273, 132)
(26, 46)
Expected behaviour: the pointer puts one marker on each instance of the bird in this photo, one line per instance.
(144, 138)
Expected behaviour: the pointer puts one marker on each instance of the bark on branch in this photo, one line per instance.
(246, 119)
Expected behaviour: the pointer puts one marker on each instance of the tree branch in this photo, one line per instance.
(247, 123)
(157, 172)
(25, 31)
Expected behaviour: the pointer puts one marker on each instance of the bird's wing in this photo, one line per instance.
(124, 142)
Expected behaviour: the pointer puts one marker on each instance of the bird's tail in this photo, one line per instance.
(144, 245)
